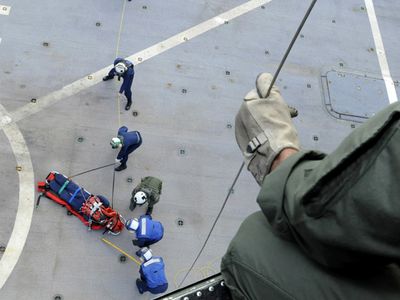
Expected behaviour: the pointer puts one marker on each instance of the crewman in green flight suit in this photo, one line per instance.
(147, 191)
(329, 225)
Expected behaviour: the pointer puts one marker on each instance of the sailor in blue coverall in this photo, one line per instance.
(152, 273)
(128, 142)
(123, 68)
(148, 231)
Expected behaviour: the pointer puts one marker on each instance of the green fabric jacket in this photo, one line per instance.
(152, 186)
(335, 221)
(342, 209)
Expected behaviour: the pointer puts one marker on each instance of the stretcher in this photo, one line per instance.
(94, 211)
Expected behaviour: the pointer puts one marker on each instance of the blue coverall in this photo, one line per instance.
(152, 276)
(130, 142)
(149, 232)
(127, 78)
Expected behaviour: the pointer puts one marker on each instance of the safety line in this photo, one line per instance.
(116, 55)
(112, 190)
(91, 170)
(215, 222)
(241, 167)
(380, 51)
(122, 251)
(290, 46)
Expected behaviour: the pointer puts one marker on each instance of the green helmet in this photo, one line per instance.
(116, 142)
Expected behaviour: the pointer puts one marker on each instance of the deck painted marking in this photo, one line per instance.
(26, 200)
(5, 10)
(141, 56)
(380, 51)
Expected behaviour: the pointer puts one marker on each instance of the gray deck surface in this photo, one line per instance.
(60, 256)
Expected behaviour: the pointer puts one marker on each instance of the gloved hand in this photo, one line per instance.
(117, 161)
(263, 127)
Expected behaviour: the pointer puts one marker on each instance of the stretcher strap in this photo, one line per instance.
(63, 187)
(74, 195)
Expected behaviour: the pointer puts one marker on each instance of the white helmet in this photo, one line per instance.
(120, 68)
(116, 143)
(132, 224)
(145, 253)
(140, 197)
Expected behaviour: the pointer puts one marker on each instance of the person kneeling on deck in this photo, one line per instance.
(128, 142)
(148, 190)
(152, 273)
(147, 230)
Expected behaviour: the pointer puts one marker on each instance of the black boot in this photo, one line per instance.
(108, 77)
(121, 167)
(128, 105)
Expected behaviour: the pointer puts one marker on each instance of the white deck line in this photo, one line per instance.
(380, 51)
(26, 200)
(139, 57)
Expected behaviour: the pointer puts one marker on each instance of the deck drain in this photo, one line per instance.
(315, 138)
(308, 85)
(144, 7)
(266, 52)
(122, 259)
(58, 297)
(353, 126)
(182, 152)
(2, 249)
(227, 73)
(80, 139)
(90, 77)
(98, 24)
(45, 44)
(33, 100)
(226, 22)
(135, 113)
(229, 125)
(179, 222)
(184, 91)
(129, 179)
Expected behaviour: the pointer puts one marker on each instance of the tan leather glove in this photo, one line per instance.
(263, 127)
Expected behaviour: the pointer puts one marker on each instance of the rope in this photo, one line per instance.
(290, 46)
(241, 167)
(112, 191)
(91, 170)
(116, 55)
(215, 222)
(122, 251)
(118, 95)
